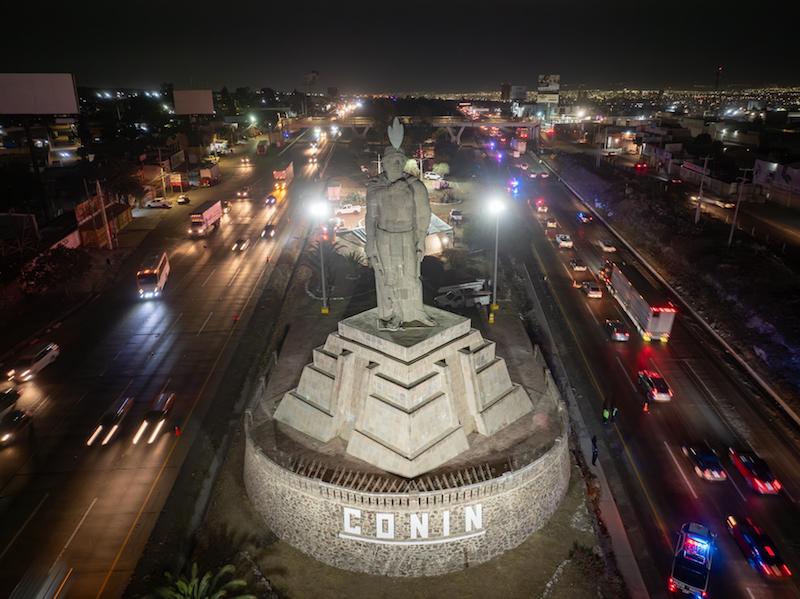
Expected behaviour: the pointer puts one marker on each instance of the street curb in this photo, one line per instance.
(684, 304)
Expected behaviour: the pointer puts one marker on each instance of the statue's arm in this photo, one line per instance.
(370, 225)
(423, 213)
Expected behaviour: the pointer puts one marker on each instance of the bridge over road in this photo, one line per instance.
(454, 125)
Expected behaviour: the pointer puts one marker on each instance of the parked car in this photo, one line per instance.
(29, 366)
(432, 176)
(348, 209)
(158, 203)
(456, 217)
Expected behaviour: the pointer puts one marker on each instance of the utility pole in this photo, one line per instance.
(163, 180)
(106, 224)
(379, 164)
(700, 197)
(742, 181)
(420, 162)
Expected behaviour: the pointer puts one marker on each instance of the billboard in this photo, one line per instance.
(193, 101)
(549, 83)
(518, 92)
(38, 93)
(547, 98)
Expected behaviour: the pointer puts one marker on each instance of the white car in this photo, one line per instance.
(456, 216)
(592, 290)
(551, 223)
(349, 209)
(607, 246)
(563, 240)
(29, 366)
(523, 166)
(577, 265)
(158, 203)
(432, 176)
(183, 199)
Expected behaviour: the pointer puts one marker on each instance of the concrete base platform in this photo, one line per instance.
(406, 401)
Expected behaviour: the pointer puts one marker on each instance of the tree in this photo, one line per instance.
(412, 167)
(206, 587)
(53, 270)
(441, 168)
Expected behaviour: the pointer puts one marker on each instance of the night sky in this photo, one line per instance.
(404, 46)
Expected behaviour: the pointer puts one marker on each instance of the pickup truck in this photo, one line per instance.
(348, 209)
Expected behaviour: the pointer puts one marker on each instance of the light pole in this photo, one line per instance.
(496, 207)
(320, 210)
(700, 197)
(742, 181)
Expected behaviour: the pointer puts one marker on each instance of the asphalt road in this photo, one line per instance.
(92, 508)
(712, 402)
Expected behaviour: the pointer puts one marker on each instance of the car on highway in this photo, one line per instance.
(158, 203)
(563, 240)
(312, 159)
(243, 193)
(617, 331)
(110, 422)
(28, 366)
(757, 547)
(551, 223)
(607, 246)
(432, 176)
(455, 217)
(241, 244)
(244, 161)
(654, 385)
(592, 290)
(705, 462)
(226, 206)
(539, 175)
(270, 200)
(156, 417)
(268, 232)
(584, 217)
(13, 425)
(522, 165)
(183, 199)
(691, 562)
(577, 265)
(755, 471)
(723, 204)
(539, 203)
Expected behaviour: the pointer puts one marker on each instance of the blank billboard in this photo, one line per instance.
(38, 93)
(193, 101)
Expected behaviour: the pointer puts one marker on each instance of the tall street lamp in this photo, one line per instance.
(320, 210)
(496, 207)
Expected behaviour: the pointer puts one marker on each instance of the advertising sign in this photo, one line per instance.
(193, 101)
(38, 93)
(549, 83)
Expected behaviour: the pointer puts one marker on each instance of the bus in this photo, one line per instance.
(152, 276)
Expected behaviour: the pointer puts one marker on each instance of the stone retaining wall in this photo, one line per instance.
(407, 534)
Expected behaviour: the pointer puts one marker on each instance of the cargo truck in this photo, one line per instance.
(283, 176)
(205, 218)
(210, 175)
(653, 317)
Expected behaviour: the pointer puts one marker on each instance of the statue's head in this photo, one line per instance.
(394, 162)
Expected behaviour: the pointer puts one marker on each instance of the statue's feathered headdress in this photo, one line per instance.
(395, 132)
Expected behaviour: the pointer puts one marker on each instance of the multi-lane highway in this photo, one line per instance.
(712, 402)
(92, 508)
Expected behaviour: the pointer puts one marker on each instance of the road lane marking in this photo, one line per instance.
(210, 314)
(680, 470)
(235, 274)
(63, 584)
(24, 524)
(625, 373)
(75, 532)
(735, 486)
(213, 270)
(174, 446)
(174, 322)
(39, 405)
(589, 308)
(116, 355)
(749, 592)
(165, 385)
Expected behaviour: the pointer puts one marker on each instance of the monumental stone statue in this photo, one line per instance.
(397, 221)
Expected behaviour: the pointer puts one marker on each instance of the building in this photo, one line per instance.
(505, 92)
(518, 93)
(779, 183)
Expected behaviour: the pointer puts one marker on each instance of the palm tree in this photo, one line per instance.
(206, 587)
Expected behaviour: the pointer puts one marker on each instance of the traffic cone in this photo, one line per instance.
(647, 406)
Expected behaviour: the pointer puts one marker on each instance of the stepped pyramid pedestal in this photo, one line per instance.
(405, 401)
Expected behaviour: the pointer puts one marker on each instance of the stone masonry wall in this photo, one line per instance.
(484, 519)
